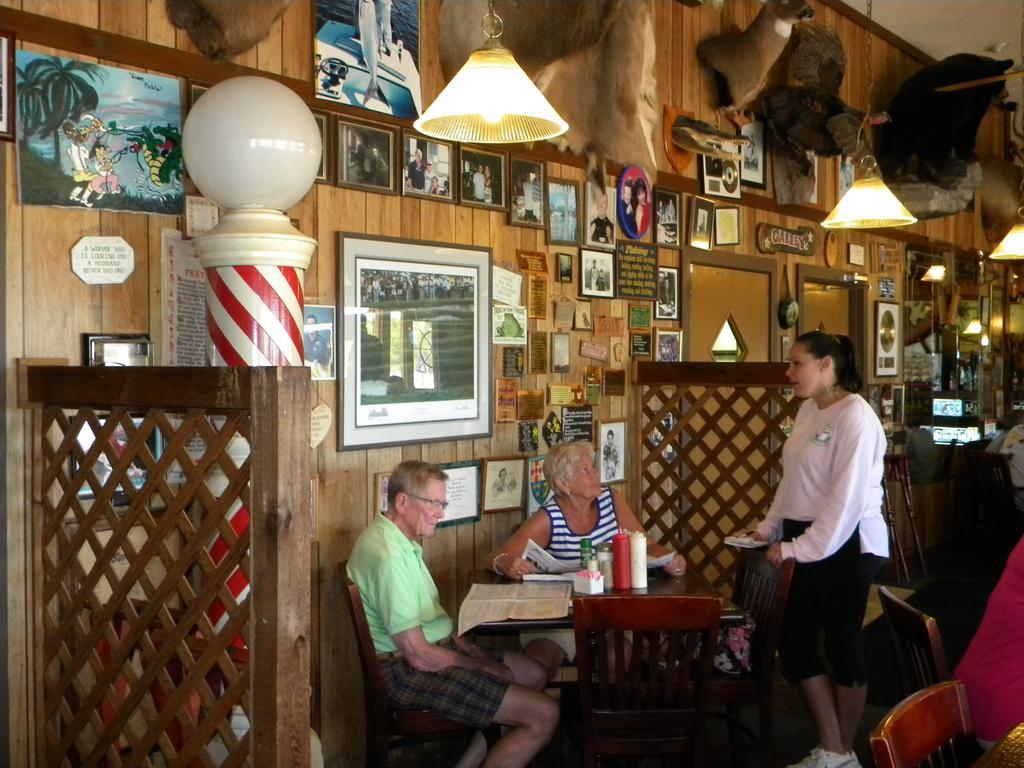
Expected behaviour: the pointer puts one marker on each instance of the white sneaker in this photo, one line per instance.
(820, 758)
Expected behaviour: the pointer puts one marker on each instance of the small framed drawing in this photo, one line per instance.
(7, 86)
(887, 338)
(702, 215)
(667, 212)
(667, 306)
(323, 173)
(635, 207)
(855, 254)
(526, 193)
(426, 167)
(611, 450)
(597, 274)
(563, 212)
(483, 178)
(727, 225)
(463, 493)
(366, 156)
(752, 163)
(600, 228)
(719, 177)
(564, 267)
(504, 484)
(117, 349)
(668, 345)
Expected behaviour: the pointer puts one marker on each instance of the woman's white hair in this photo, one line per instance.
(560, 463)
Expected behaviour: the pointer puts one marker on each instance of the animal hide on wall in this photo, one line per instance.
(593, 60)
(222, 29)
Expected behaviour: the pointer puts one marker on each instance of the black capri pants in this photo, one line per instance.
(828, 596)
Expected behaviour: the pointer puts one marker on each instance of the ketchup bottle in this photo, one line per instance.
(621, 562)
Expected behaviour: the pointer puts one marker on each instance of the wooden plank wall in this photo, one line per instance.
(48, 308)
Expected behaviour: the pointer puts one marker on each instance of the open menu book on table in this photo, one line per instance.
(498, 602)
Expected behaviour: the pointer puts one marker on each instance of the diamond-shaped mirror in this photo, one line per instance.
(728, 346)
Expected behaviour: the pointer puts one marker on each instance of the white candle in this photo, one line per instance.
(638, 559)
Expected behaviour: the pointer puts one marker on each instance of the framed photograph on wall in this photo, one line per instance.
(366, 156)
(526, 193)
(427, 167)
(611, 451)
(122, 349)
(599, 231)
(667, 213)
(563, 198)
(635, 207)
(564, 261)
(597, 274)
(667, 305)
(668, 345)
(6, 86)
(462, 493)
(318, 347)
(727, 225)
(754, 157)
(482, 174)
(887, 338)
(719, 177)
(504, 483)
(416, 362)
(702, 219)
(897, 404)
(323, 124)
(855, 254)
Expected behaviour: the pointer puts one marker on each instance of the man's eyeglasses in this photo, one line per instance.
(434, 503)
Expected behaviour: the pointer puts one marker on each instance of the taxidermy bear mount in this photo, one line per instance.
(741, 60)
(592, 59)
(932, 135)
(222, 29)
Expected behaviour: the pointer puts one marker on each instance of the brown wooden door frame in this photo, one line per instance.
(858, 305)
(4, 683)
(761, 264)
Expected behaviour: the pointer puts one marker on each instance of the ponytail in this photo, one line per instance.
(840, 349)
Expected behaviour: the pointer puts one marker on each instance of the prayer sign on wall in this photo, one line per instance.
(637, 268)
(773, 239)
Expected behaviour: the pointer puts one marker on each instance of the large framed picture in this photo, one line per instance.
(668, 211)
(597, 274)
(526, 193)
(752, 162)
(366, 156)
(6, 86)
(504, 484)
(611, 451)
(600, 227)
(563, 212)
(483, 178)
(887, 338)
(667, 306)
(416, 327)
(427, 167)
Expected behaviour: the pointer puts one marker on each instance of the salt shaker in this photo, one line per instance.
(638, 559)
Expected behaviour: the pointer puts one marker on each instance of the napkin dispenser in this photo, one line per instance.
(588, 582)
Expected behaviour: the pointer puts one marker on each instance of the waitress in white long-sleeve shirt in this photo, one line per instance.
(827, 516)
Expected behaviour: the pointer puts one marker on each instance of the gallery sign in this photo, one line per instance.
(102, 260)
(773, 239)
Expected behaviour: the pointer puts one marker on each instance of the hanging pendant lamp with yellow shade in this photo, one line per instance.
(491, 100)
(868, 204)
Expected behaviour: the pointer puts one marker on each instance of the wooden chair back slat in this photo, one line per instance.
(647, 695)
(927, 728)
(920, 656)
(762, 590)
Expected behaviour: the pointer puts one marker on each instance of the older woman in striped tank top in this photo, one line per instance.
(579, 508)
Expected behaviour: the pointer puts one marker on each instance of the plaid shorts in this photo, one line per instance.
(460, 694)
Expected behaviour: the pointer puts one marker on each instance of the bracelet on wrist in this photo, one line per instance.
(494, 563)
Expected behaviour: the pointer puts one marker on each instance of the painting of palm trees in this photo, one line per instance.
(92, 136)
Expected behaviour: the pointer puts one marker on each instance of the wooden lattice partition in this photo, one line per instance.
(710, 444)
(172, 565)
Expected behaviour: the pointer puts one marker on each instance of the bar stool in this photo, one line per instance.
(897, 469)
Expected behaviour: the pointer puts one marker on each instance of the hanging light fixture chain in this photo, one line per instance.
(491, 23)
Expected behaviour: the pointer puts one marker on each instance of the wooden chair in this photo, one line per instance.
(651, 700)
(924, 730)
(762, 590)
(920, 656)
(991, 472)
(897, 469)
(388, 728)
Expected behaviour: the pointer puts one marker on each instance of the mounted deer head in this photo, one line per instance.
(222, 29)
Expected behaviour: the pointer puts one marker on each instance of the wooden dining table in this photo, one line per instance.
(1007, 753)
(690, 584)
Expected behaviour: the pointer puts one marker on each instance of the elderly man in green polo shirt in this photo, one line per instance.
(425, 664)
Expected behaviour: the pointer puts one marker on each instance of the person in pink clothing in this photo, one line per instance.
(993, 667)
(827, 516)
